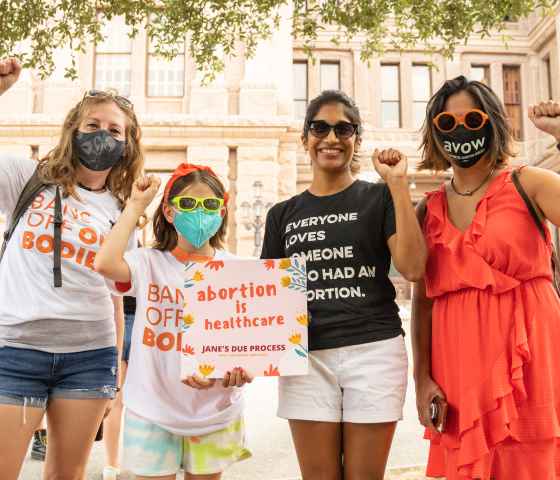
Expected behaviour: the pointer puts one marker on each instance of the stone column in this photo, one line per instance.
(497, 79)
(266, 88)
(216, 156)
(362, 93)
(232, 232)
(256, 161)
(453, 67)
(406, 91)
(287, 170)
(531, 89)
(374, 86)
(138, 66)
(438, 73)
(234, 72)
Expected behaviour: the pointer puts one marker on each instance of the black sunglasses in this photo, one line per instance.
(342, 130)
(122, 101)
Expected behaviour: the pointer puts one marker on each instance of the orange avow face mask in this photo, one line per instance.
(465, 138)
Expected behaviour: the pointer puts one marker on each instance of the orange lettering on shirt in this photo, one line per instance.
(80, 255)
(27, 240)
(159, 294)
(165, 341)
(149, 337)
(67, 250)
(153, 315)
(50, 221)
(38, 201)
(45, 243)
(34, 219)
(90, 257)
(88, 235)
(153, 293)
(166, 295)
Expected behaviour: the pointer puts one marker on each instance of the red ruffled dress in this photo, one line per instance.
(495, 341)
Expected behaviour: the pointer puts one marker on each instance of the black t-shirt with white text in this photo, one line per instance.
(343, 239)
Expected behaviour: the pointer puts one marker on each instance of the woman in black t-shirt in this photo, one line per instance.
(345, 410)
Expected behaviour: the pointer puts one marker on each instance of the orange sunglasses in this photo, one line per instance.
(472, 120)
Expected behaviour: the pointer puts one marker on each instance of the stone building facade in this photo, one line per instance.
(247, 122)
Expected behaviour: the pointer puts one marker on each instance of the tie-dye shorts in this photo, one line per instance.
(151, 451)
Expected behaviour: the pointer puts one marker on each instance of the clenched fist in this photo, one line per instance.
(10, 69)
(546, 117)
(144, 191)
(390, 164)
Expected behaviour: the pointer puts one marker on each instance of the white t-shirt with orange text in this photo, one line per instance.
(153, 389)
(27, 292)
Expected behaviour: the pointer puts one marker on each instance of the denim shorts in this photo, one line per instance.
(32, 377)
(128, 324)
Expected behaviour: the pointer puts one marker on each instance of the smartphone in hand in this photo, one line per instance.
(438, 413)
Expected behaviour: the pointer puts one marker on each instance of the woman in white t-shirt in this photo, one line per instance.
(59, 333)
(196, 425)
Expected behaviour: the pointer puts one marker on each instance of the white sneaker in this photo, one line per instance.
(111, 473)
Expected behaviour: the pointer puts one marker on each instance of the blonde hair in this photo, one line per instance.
(61, 163)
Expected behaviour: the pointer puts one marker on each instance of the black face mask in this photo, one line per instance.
(466, 147)
(98, 150)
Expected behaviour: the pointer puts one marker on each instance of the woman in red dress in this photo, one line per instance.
(486, 318)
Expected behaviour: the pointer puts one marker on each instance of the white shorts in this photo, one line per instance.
(357, 384)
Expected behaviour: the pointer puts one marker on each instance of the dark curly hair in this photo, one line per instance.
(434, 157)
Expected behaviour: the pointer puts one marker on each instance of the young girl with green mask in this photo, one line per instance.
(196, 424)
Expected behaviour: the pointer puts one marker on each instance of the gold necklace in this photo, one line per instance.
(470, 193)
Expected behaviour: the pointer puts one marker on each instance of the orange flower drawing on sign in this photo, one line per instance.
(188, 350)
(303, 319)
(206, 369)
(299, 348)
(285, 281)
(269, 264)
(285, 263)
(295, 338)
(272, 371)
(214, 264)
(197, 277)
(188, 319)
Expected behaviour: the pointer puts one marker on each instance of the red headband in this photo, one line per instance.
(182, 171)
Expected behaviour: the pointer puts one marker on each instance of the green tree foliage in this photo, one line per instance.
(32, 29)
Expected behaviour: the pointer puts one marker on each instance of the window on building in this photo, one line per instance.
(548, 78)
(421, 92)
(330, 75)
(390, 96)
(113, 58)
(300, 88)
(512, 99)
(166, 78)
(480, 73)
